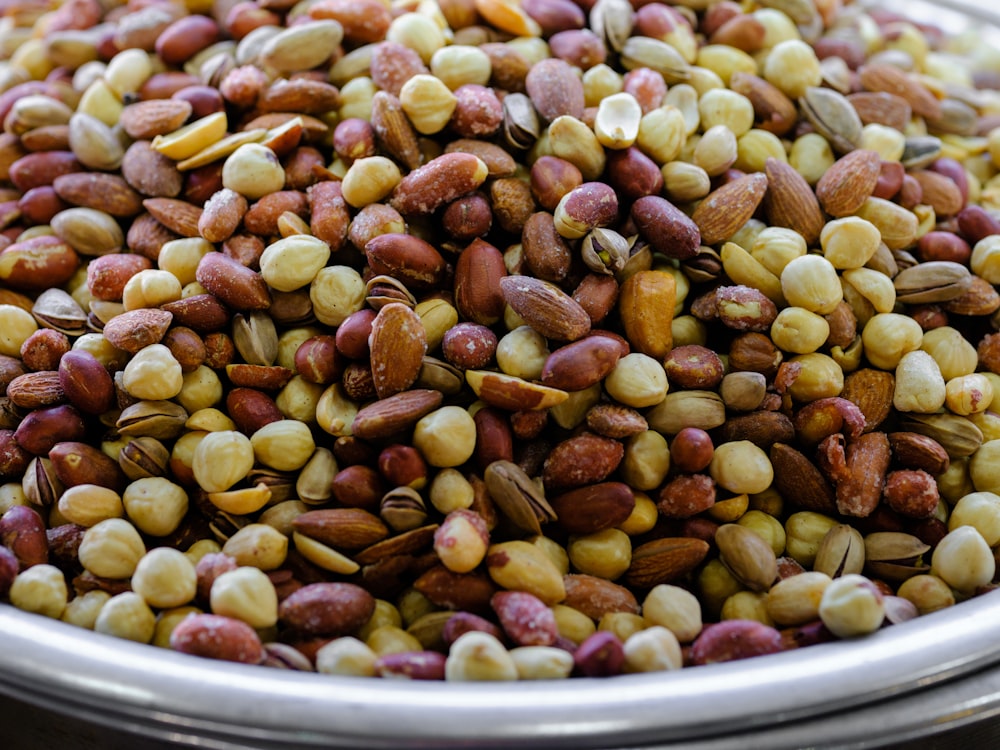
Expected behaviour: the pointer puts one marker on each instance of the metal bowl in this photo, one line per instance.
(69, 688)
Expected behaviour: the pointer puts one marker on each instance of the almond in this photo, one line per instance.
(35, 390)
(664, 560)
(398, 343)
(790, 202)
(844, 187)
(773, 110)
(545, 307)
(150, 173)
(136, 329)
(176, 215)
(393, 130)
(728, 208)
(891, 80)
(940, 193)
(871, 391)
(799, 480)
(596, 597)
(148, 119)
(342, 528)
(233, 283)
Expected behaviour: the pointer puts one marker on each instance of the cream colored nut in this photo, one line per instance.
(643, 516)
(811, 156)
(479, 657)
(685, 182)
(293, 262)
(849, 242)
(767, 527)
(254, 171)
(420, 33)
(242, 500)
(201, 548)
(724, 60)
(874, 287)
(89, 504)
(259, 545)
(572, 140)
(800, 331)
(356, 95)
(385, 613)
(323, 555)
(715, 585)
(346, 656)
(302, 47)
(460, 64)
(155, 505)
(102, 102)
(726, 107)
(94, 143)
(795, 600)
(428, 103)
(687, 330)
(897, 226)
(572, 623)
(40, 589)
(153, 374)
(335, 412)
(450, 491)
(82, 610)
(852, 606)
(167, 620)
(245, 594)
(605, 554)
(127, 71)
(522, 353)
(984, 467)
(16, 325)
(542, 662)
(968, 394)
(985, 260)
(573, 411)
(282, 515)
(646, 461)
(716, 150)
(792, 67)
(446, 436)
(740, 466)
(981, 510)
(151, 288)
(919, 385)
(675, 609)
(437, 317)
(181, 257)
(655, 649)
(888, 336)
(93, 343)
(755, 147)
(335, 293)
(165, 578)
(963, 560)
(369, 180)
(599, 82)
(887, 142)
(746, 605)
(392, 639)
(811, 282)
(616, 123)
(637, 380)
(192, 138)
(299, 400)
(954, 354)
(285, 445)
(662, 133)
(821, 376)
(222, 459)
(622, 624)
(111, 549)
(804, 531)
(927, 593)
(201, 389)
(684, 97)
(127, 616)
(36, 111)
(522, 566)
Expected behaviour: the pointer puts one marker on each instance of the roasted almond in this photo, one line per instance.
(790, 202)
(729, 207)
(844, 187)
(398, 342)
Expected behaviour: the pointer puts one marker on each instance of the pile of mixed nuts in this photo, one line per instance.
(495, 339)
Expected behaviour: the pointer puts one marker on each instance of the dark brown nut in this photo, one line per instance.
(411, 260)
(318, 360)
(438, 182)
(43, 349)
(734, 639)
(729, 207)
(844, 187)
(148, 119)
(686, 496)
(596, 597)
(584, 459)
(545, 307)
(467, 218)
(202, 313)
(136, 329)
(892, 80)
(262, 218)
(8, 570)
(590, 509)
(691, 450)
(773, 110)
(113, 194)
(327, 609)
(86, 382)
(108, 274)
(42, 168)
(791, 202)
(37, 264)
(665, 560)
(469, 345)
(916, 451)
(217, 637)
(666, 228)
(546, 253)
(867, 459)
(232, 283)
(470, 592)
(341, 528)
(577, 366)
(251, 409)
(78, 463)
(478, 272)
(693, 366)
(754, 352)
(975, 223)
(525, 619)
(222, 215)
(600, 655)
(633, 174)
(911, 493)
(43, 428)
(329, 216)
(798, 479)
(394, 414)
(35, 390)
(22, 531)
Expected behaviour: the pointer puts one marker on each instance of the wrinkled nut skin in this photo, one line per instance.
(525, 619)
(666, 228)
(327, 609)
(732, 640)
(234, 284)
(581, 460)
(217, 637)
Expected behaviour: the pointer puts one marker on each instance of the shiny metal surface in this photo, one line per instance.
(908, 682)
(164, 695)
